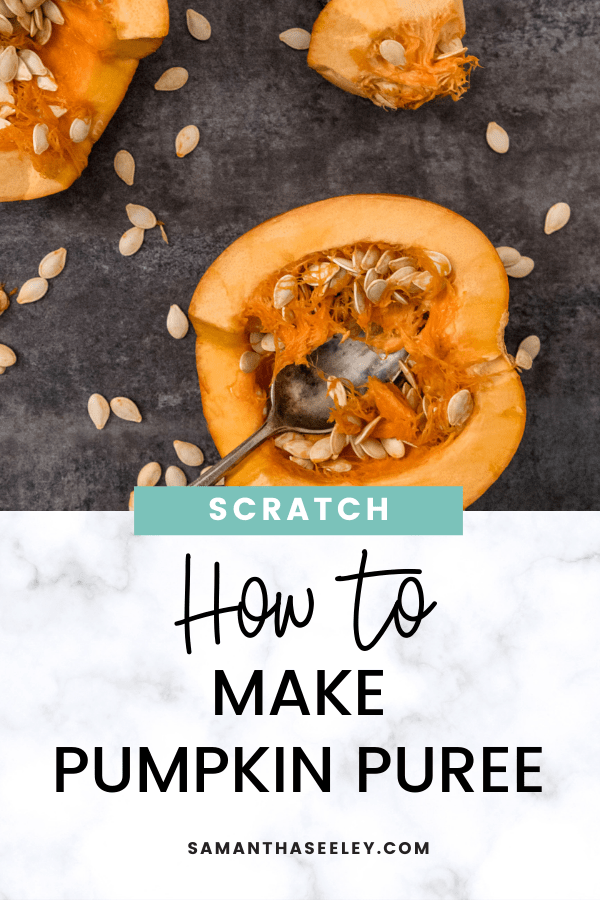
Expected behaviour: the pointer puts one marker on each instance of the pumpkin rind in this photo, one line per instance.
(233, 405)
(346, 33)
(95, 72)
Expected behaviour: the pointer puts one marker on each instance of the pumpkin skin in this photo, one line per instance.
(346, 37)
(474, 327)
(92, 74)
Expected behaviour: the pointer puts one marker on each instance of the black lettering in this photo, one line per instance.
(457, 771)
(428, 778)
(242, 769)
(363, 692)
(255, 684)
(364, 769)
(325, 692)
(422, 849)
(147, 762)
(223, 849)
(299, 758)
(522, 769)
(202, 769)
(290, 678)
(404, 847)
(192, 848)
(62, 769)
(98, 776)
(488, 768)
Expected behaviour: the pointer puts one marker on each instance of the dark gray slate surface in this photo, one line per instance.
(274, 135)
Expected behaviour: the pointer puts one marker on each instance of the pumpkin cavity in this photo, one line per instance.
(390, 297)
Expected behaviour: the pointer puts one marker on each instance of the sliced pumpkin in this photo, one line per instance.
(444, 299)
(73, 71)
(397, 53)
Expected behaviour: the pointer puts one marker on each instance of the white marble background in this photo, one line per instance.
(89, 656)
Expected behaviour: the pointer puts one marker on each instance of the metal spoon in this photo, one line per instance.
(299, 400)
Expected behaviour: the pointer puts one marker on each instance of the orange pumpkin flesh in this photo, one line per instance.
(346, 41)
(92, 57)
(469, 323)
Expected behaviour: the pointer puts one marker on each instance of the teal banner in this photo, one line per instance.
(298, 510)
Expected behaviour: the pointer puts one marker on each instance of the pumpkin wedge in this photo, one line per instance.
(396, 272)
(397, 53)
(64, 69)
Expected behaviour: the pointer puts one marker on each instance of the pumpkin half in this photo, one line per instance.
(397, 53)
(64, 69)
(393, 271)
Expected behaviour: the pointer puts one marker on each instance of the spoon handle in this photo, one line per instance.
(216, 472)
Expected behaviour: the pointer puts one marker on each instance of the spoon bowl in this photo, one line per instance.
(299, 400)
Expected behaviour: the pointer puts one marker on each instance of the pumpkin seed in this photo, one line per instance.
(5, 26)
(393, 447)
(376, 290)
(321, 450)
(189, 454)
(177, 322)
(368, 430)
(52, 12)
(522, 268)
(360, 301)
(282, 439)
(303, 463)
(172, 80)
(9, 64)
(249, 360)
(339, 467)
(53, 263)
(446, 49)
(393, 52)
(8, 357)
(23, 73)
(149, 475)
(125, 166)
(140, 216)
(296, 38)
(358, 449)
(58, 110)
(441, 262)
(408, 375)
(383, 265)
(508, 256)
(33, 289)
(131, 501)
(79, 130)
(337, 440)
(523, 360)
(131, 241)
(46, 82)
(163, 233)
(198, 25)
(4, 301)
(370, 258)
(268, 343)
(2, 370)
(422, 281)
(337, 391)
(284, 291)
(373, 448)
(33, 62)
(557, 217)
(15, 7)
(531, 345)
(187, 140)
(497, 138)
(401, 263)
(98, 410)
(4, 123)
(125, 409)
(45, 33)
(175, 477)
(460, 407)
(298, 447)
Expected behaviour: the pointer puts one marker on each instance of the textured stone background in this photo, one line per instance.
(275, 135)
